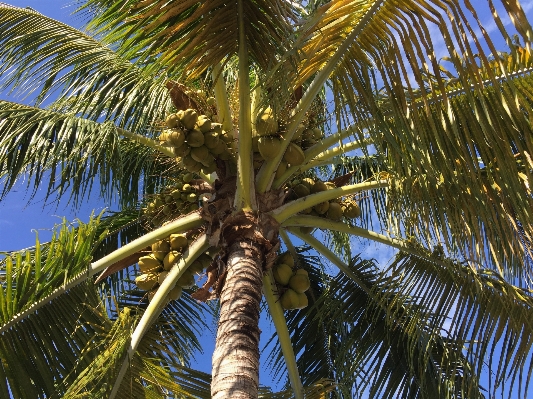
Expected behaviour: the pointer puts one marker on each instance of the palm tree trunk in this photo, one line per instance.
(236, 355)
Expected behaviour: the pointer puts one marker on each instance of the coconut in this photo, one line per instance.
(171, 258)
(286, 258)
(211, 101)
(178, 241)
(289, 299)
(217, 127)
(199, 154)
(146, 281)
(269, 146)
(298, 132)
(186, 280)
(192, 197)
(211, 139)
(307, 134)
(282, 167)
(294, 155)
(300, 190)
(220, 148)
(303, 302)
(195, 138)
(187, 177)
(149, 263)
(203, 123)
(266, 123)
(167, 210)
(352, 210)
(308, 182)
(334, 211)
(175, 293)
(225, 155)
(299, 282)
(182, 151)
(161, 277)
(322, 207)
(172, 121)
(176, 138)
(282, 273)
(317, 134)
(206, 260)
(330, 185)
(255, 143)
(208, 160)
(176, 194)
(319, 186)
(163, 137)
(189, 161)
(189, 118)
(207, 170)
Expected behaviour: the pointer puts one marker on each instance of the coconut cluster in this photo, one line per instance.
(292, 283)
(334, 209)
(196, 140)
(165, 254)
(179, 198)
(268, 139)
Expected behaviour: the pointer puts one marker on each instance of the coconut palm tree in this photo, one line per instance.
(251, 143)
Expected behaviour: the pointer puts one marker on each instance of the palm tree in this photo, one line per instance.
(225, 130)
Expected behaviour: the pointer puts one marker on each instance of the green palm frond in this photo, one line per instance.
(39, 354)
(42, 57)
(190, 36)
(31, 276)
(488, 317)
(157, 370)
(68, 152)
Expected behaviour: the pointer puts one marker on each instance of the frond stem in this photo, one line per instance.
(147, 142)
(286, 211)
(221, 97)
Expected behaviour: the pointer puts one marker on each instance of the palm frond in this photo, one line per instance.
(69, 152)
(190, 37)
(43, 57)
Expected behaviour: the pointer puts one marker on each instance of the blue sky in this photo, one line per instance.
(19, 220)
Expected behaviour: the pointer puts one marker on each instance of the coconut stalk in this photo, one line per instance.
(147, 142)
(221, 98)
(157, 304)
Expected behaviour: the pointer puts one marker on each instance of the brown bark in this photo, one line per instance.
(236, 355)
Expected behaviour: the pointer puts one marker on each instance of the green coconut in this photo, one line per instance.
(186, 280)
(187, 177)
(211, 139)
(334, 211)
(282, 167)
(188, 161)
(300, 190)
(289, 300)
(192, 197)
(195, 138)
(171, 258)
(149, 263)
(352, 210)
(172, 121)
(294, 155)
(298, 133)
(269, 146)
(286, 258)
(266, 123)
(330, 185)
(175, 293)
(282, 273)
(146, 281)
(189, 118)
(203, 123)
(167, 210)
(196, 267)
(299, 282)
(319, 186)
(163, 137)
(199, 154)
(322, 207)
(178, 241)
(307, 181)
(303, 302)
(217, 127)
(182, 151)
(211, 101)
(207, 170)
(220, 148)
(176, 194)
(176, 138)
(162, 276)
(208, 160)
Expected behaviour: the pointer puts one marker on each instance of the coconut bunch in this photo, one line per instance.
(196, 140)
(179, 198)
(164, 254)
(267, 141)
(291, 283)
